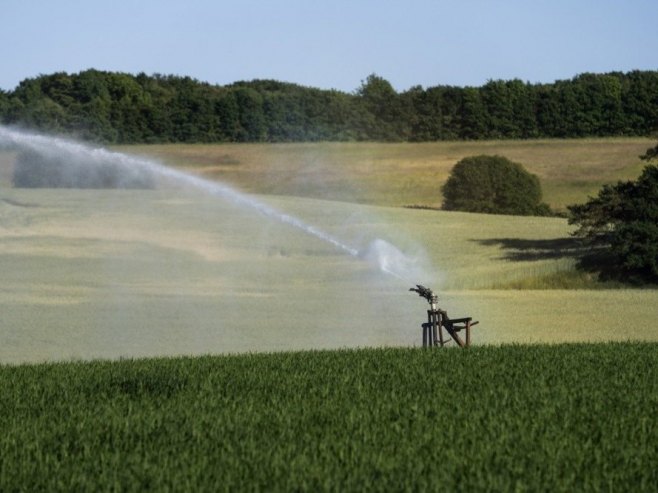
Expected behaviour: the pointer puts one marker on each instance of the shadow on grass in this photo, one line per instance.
(603, 263)
(597, 263)
(523, 250)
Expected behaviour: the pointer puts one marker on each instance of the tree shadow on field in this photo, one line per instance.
(523, 250)
(597, 261)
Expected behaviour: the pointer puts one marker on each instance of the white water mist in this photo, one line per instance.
(381, 254)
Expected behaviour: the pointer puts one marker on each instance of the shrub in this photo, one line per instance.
(493, 185)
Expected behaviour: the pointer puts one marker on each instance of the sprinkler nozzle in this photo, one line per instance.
(426, 293)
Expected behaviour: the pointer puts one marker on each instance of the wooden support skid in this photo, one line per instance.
(437, 320)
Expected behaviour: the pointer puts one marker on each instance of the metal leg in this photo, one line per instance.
(435, 340)
(439, 323)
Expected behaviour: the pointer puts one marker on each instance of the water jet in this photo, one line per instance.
(77, 164)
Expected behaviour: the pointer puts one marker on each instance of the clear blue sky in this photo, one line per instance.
(332, 43)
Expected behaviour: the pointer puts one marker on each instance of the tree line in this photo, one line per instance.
(114, 108)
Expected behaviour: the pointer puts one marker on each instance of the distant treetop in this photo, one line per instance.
(113, 107)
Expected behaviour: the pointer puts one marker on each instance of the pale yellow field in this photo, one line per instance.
(404, 174)
(109, 274)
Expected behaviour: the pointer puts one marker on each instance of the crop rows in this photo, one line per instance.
(526, 418)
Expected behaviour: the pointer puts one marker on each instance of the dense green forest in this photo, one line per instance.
(115, 107)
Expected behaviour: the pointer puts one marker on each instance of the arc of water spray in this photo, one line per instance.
(386, 256)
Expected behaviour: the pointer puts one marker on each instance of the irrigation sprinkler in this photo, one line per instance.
(438, 319)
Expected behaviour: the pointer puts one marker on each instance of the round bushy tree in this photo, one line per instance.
(494, 185)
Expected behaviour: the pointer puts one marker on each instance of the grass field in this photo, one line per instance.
(404, 174)
(107, 274)
(513, 418)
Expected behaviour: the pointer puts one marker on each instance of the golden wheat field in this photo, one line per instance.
(402, 174)
(126, 273)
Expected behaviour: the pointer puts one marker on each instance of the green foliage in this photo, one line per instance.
(493, 185)
(385, 113)
(4, 103)
(122, 108)
(621, 225)
(510, 418)
(652, 153)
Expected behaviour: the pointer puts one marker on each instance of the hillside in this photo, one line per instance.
(116, 273)
(404, 173)
(128, 273)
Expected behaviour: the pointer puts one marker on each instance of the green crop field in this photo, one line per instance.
(512, 418)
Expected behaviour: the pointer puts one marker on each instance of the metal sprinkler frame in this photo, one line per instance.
(438, 319)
